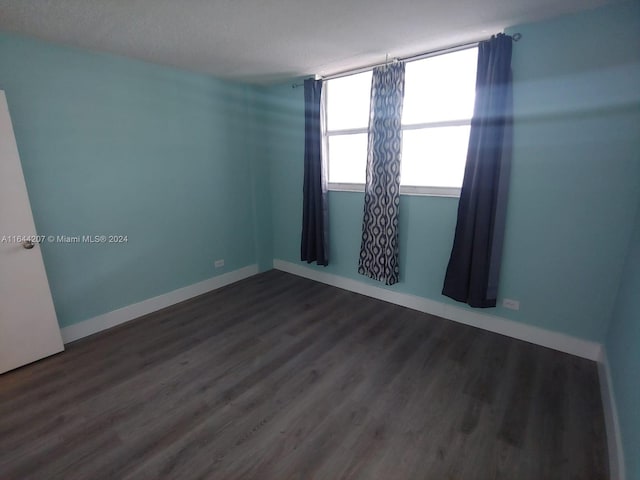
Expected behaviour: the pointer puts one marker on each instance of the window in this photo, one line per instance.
(347, 125)
(436, 119)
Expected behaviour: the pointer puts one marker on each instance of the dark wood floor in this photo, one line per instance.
(278, 377)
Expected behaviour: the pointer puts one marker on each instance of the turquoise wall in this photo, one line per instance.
(113, 145)
(255, 142)
(574, 181)
(623, 351)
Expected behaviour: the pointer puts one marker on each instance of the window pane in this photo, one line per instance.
(434, 157)
(348, 158)
(348, 101)
(440, 88)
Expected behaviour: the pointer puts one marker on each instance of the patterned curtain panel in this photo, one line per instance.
(474, 265)
(379, 247)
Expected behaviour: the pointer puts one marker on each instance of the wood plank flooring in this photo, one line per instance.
(282, 378)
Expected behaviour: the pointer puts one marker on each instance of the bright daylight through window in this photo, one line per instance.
(436, 119)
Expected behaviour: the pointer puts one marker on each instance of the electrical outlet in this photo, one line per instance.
(511, 304)
(219, 263)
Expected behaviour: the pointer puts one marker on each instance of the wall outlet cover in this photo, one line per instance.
(511, 304)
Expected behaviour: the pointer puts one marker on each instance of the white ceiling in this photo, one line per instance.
(268, 40)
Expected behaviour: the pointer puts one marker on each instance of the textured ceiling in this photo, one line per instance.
(268, 40)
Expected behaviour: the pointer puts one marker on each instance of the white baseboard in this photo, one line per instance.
(546, 338)
(614, 438)
(124, 314)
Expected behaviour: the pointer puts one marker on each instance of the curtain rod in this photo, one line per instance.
(431, 53)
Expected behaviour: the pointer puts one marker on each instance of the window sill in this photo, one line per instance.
(404, 190)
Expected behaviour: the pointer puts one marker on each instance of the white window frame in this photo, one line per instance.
(453, 192)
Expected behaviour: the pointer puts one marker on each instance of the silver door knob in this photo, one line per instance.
(28, 244)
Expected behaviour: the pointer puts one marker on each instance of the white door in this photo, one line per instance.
(29, 329)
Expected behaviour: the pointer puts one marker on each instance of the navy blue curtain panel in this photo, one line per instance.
(313, 245)
(474, 265)
(379, 247)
